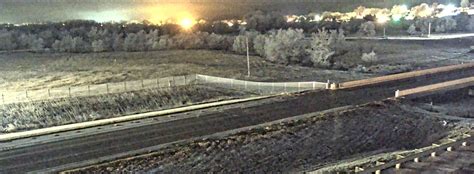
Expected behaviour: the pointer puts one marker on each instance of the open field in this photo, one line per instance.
(21, 71)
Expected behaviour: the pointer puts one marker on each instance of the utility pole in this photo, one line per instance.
(384, 32)
(429, 29)
(248, 57)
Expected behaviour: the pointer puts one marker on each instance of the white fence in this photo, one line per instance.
(162, 83)
(261, 87)
(91, 90)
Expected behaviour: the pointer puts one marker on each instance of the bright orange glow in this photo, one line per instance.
(187, 23)
(170, 13)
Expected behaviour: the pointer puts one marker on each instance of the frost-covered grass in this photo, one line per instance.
(40, 114)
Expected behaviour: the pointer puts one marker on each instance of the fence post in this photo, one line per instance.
(89, 89)
(196, 78)
(3, 98)
(107, 86)
(185, 80)
(157, 83)
(169, 84)
(69, 92)
(143, 84)
(26, 94)
(49, 93)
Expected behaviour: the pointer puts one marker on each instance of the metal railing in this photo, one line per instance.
(416, 156)
(399, 160)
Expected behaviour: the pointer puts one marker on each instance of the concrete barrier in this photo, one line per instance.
(70, 127)
(429, 89)
(401, 76)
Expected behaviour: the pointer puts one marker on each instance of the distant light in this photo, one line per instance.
(187, 23)
(450, 7)
(396, 18)
(404, 7)
(106, 16)
(318, 18)
(382, 19)
(448, 10)
(291, 18)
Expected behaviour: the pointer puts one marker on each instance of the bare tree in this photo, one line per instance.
(320, 49)
(7, 41)
(465, 3)
(286, 46)
(367, 29)
(98, 46)
(259, 45)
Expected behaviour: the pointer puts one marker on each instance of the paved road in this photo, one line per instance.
(38, 157)
(407, 38)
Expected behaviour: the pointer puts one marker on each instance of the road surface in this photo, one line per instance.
(432, 37)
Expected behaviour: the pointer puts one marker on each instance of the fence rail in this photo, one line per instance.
(91, 90)
(161, 83)
(261, 87)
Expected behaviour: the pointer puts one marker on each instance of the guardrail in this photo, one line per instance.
(416, 156)
(449, 85)
(376, 80)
